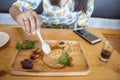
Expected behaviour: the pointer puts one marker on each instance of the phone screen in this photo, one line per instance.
(86, 34)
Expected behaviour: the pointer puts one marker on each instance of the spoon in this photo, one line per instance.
(45, 47)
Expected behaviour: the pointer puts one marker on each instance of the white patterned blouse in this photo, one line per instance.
(58, 15)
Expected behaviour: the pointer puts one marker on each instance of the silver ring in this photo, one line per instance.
(25, 19)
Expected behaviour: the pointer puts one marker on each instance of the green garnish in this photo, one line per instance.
(64, 59)
(27, 44)
(18, 45)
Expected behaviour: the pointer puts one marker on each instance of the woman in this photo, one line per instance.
(56, 13)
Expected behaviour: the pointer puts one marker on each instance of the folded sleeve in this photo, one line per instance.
(24, 5)
(84, 17)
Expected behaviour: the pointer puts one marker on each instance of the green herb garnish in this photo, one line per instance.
(64, 59)
(27, 44)
(18, 45)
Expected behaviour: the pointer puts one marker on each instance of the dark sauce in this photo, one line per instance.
(27, 64)
(61, 43)
(105, 54)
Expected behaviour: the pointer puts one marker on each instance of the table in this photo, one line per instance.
(113, 36)
(100, 70)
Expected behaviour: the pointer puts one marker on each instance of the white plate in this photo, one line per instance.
(4, 38)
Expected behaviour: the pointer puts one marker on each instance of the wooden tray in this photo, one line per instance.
(80, 63)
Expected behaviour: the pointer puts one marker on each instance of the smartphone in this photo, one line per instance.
(88, 36)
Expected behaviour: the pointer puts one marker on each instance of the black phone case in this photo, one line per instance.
(82, 34)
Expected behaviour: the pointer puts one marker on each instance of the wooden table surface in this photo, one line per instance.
(112, 35)
(99, 69)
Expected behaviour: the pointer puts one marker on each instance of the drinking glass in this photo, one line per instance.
(106, 52)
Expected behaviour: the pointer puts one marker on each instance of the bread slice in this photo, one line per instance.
(51, 59)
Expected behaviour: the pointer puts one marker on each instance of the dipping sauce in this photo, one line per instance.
(105, 54)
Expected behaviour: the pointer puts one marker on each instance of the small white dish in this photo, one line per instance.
(4, 38)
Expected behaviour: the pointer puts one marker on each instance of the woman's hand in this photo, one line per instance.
(29, 20)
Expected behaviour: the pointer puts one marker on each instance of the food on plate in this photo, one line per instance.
(64, 59)
(61, 44)
(27, 64)
(36, 54)
(59, 56)
(51, 59)
(27, 44)
(62, 54)
(57, 59)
